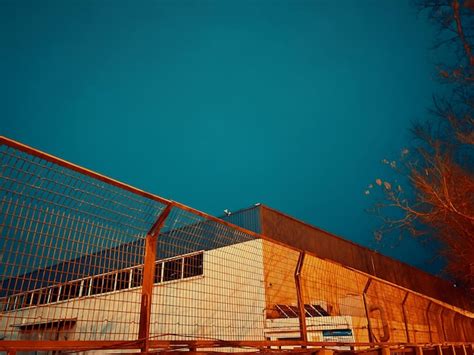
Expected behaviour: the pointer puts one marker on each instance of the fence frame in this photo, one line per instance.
(143, 341)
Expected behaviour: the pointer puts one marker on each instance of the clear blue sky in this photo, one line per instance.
(221, 104)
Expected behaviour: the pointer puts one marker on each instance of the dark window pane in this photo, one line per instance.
(41, 296)
(69, 291)
(172, 270)
(158, 273)
(18, 301)
(137, 277)
(27, 299)
(123, 278)
(35, 297)
(74, 289)
(54, 294)
(193, 265)
(11, 303)
(4, 304)
(85, 287)
(97, 285)
(22, 301)
(108, 283)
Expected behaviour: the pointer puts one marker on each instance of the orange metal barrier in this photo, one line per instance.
(87, 262)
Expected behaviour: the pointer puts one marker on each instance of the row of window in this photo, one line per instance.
(173, 269)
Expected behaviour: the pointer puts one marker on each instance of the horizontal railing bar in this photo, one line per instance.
(6, 345)
(64, 163)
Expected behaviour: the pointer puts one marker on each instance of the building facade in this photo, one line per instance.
(91, 263)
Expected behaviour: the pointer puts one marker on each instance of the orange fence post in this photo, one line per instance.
(369, 328)
(299, 294)
(428, 319)
(405, 316)
(148, 277)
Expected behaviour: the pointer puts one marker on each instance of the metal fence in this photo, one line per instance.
(87, 262)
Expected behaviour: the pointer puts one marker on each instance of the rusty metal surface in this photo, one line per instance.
(289, 230)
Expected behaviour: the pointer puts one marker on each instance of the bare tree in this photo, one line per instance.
(438, 197)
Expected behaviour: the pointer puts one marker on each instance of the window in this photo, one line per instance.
(169, 270)
(4, 303)
(103, 284)
(70, 290)
(40, 297)
(96, 287)
(108, 284)
(53, 294)
(172, 270)
(123, 279)
(193, 265)
(21, 301)
(86, 285)
(158, 272)
(137, 277)
(11, 303)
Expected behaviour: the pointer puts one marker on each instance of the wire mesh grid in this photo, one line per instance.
(338, 291)
(73, 261)
(384, 304)
(64, 238)
(416, 309)
(208, 282)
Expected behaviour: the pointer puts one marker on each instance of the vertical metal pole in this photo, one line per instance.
(405, 316)
(299, 294)
(148, 278)
(369, 327)
(428, 319)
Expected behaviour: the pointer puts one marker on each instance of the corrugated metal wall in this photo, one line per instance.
(327, 246)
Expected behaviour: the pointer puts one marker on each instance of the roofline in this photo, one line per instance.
(347, 240)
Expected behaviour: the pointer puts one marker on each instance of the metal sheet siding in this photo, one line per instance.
(327, 246)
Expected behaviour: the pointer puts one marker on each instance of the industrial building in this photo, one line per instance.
(92, 264)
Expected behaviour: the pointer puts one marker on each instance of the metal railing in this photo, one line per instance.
(87, 262)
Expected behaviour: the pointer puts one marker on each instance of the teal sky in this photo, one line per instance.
(222, 104)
